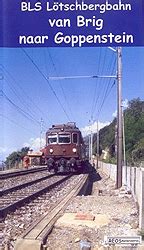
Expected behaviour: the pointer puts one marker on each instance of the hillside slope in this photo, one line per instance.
(134, 133)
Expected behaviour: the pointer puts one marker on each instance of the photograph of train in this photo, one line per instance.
(59, 148)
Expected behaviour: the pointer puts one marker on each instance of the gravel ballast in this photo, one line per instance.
(17, 222)
(118, 205)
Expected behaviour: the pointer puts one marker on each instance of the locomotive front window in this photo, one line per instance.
(64, 138)
(52, 139)
(75, 138)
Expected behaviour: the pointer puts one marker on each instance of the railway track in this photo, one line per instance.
(17, 196)
(25, 217)
(35, 237)
(21, 172)
(13, 187)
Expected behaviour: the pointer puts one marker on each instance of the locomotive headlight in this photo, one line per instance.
(74, 150)
(51, 150)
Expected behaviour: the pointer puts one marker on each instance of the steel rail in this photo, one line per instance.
(14, 188)
(37, 234)
(5, 210)
(21, 172)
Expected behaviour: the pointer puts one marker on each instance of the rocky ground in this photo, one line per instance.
(106, 212)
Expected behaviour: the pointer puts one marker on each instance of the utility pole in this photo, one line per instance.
(124, 151)
(91, 145)
(119, 117)
(97, 144)
(91, 141)
(41, 131)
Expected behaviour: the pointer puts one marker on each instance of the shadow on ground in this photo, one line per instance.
(94, 176)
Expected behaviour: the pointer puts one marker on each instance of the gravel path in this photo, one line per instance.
(105, 200)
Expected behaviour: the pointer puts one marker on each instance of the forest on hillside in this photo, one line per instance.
(133, 125)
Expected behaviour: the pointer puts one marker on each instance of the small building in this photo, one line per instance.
(35, 158)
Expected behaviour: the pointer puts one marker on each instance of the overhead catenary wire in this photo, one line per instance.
(96, 84)
(106, 93)
(21, 98)
(105, 87)
(15, 123)
(63, 92)
(42, 74)
(91, 76)
(102, 79)
(105, 97)
(102, 63)
(20, 110)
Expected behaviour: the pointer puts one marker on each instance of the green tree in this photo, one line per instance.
(15, 157)
(24, 151)
(134, 133)
(134, 129)
(138, 152)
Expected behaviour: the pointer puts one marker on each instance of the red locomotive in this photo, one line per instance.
(65, 150)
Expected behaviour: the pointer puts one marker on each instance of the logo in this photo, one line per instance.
(122, 241)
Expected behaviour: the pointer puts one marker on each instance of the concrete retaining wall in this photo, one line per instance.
(133, 178)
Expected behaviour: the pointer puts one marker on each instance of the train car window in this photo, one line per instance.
(81, 140)
(75, 138)
(52, 139)
(64, 138)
